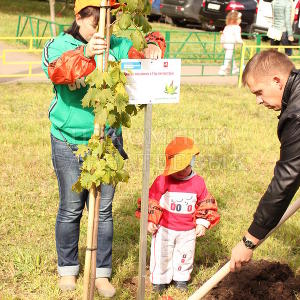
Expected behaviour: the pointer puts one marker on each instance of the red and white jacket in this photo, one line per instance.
(181, 204)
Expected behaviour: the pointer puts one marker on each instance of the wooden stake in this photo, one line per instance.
(225, 270)
(144, 204)
(89, 241)
(94, 194)
(95, 244)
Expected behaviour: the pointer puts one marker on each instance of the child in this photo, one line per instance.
(180, 208)
(230, 36)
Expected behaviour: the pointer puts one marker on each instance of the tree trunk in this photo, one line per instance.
(52, 16)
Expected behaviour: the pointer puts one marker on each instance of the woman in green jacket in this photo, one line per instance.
(67, 60)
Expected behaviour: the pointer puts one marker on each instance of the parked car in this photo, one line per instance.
(213, 12)
(181, 11)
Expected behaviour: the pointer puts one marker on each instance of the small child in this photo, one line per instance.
(180, 209)
(230, 36)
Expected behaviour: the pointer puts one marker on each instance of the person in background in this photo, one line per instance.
(282, 20)
(67, 60)
(231, 36)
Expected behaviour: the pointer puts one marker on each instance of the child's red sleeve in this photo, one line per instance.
(151, 38)
(207, 209)
(154, 209)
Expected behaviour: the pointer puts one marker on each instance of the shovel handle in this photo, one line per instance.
(225, 270)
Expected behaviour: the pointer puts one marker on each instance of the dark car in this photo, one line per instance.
(213, 13)
(181, 11)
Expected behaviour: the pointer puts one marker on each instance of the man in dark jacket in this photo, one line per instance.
(272, 78)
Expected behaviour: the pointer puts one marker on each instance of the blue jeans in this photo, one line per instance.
(71, 205)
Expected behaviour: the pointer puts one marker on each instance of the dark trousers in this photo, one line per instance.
(284, 41)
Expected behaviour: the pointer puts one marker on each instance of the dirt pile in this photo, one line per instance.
(259, 280)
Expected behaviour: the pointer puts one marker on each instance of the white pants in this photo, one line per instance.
(227, 60)
(172, 255)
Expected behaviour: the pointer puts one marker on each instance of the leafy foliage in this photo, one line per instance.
(102, 164)
(108, 97)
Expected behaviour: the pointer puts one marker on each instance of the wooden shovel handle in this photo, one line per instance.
(215, 279)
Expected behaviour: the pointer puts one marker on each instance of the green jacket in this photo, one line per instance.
(69, 120)
(282, 19)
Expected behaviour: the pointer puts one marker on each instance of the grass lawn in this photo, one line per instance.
(238, 150)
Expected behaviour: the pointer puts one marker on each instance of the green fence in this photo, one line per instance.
(194, 48)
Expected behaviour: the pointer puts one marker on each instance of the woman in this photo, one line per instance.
(67, 60)
(282, 20)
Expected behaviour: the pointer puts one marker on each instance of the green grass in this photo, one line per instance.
(238, 150)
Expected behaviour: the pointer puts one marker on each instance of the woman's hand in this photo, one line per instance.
(152, 228)
(200, 230)
(95, 46)
(152, 51)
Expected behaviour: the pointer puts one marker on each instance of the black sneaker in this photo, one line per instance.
(181, 285)
(159, 287)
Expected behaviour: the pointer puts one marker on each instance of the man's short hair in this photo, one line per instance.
(267, 63)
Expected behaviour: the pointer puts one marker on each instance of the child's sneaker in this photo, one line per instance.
(181, 285)
(159, 287)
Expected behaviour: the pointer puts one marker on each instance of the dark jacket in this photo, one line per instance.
(286, 179)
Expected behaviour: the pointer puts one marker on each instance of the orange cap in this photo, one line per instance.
(179, 154)
(81, 4)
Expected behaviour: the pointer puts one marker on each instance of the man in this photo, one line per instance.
(272, 78)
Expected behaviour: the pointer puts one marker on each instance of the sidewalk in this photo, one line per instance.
(16, 69)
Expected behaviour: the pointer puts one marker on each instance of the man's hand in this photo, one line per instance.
(291, 38)
(152, 228)
(200, 230)
(240, 255)
(152, 51)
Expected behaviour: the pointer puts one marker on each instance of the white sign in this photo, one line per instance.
(152, 81)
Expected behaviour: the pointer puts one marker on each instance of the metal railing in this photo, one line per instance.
(23, 64)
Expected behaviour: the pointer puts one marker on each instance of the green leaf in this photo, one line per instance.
(108, 79)
(122, 175)
(111, 118)
(77, 186)
(111, 163)
(98, 151)
(125, 119)
(115, 75)
(125, 21)
(131, 109)
(100, 115)
(132, 5)
(137, 40)
(146, 27)
(106, 177)
(86, 180)
(89, 97)
(89, 163)
(121, 102)
(82, 150)
(123, 78)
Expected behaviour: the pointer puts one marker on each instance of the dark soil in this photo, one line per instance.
(259, 280)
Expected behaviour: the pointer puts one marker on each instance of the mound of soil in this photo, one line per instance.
(258, 280)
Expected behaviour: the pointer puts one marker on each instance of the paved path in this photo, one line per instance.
(16, 69)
